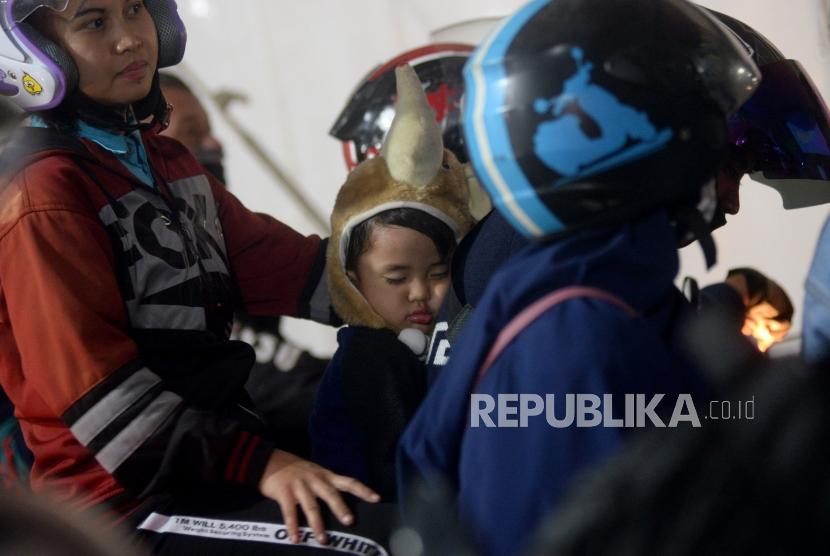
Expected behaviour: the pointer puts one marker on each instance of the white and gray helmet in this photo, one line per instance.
(37, 74)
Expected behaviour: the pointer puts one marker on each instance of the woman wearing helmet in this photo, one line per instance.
(121, 261)
(597, 127)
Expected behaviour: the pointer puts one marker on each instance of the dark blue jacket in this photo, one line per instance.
(507, 479)
(368, 394)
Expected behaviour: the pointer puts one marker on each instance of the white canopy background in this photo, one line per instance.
(297, 63)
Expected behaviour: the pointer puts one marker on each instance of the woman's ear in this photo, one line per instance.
(352, 277)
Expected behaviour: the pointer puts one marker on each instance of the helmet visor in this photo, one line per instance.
(21, 9)
(783, 131)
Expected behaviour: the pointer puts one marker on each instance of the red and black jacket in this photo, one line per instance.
(115, 304)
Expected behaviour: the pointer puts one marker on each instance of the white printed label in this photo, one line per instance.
(252, 531)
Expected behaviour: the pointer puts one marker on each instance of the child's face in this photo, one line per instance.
(402, 277)
(113, 43)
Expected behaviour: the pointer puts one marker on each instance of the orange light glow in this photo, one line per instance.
(761, 325)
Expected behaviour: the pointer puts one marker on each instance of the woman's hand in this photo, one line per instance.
(290, 480)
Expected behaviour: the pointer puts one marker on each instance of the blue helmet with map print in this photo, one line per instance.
(582, 113)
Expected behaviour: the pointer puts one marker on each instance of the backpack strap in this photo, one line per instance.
(539, 307)
(27, 143)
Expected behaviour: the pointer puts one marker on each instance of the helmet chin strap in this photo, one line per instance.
(693, 222)
(107, 117)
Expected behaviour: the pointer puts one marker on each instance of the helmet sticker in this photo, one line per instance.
(30, 85)
(622, 132)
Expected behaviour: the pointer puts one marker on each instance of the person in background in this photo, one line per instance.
(593, 144)
(190, 125)
(284, 379)
(754, 304)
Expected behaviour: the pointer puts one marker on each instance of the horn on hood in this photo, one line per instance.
(413, 147)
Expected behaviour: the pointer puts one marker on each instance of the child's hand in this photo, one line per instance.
(290, 480)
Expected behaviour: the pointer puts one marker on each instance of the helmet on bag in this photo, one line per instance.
(582, 113)
(37, 74)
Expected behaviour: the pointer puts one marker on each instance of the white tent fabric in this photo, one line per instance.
(297, 63)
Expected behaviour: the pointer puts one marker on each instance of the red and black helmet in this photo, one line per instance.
(368, 114)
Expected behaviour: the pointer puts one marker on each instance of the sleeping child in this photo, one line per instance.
(395, 224)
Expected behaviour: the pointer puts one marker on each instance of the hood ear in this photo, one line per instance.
(413, 148)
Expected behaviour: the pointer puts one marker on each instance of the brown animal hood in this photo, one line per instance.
(413, 170)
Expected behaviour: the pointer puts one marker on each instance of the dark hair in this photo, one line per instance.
(439, 232)
(759, 286)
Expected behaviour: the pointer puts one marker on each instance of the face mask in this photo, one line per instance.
(211, 160)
